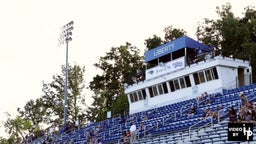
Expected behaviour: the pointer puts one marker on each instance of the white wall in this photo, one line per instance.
(227, 73)
(228, 76)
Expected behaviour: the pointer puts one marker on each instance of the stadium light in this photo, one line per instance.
(65, 37)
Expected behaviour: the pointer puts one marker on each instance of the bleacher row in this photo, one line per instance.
(167, 124)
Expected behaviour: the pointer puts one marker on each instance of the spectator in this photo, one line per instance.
(192, 111)
(133, 133)
(250, 105)
(244, 99)
(125, 138)
(207, 113)
(253, 115)
(215, 113)
(139, 76)
(201, 97)
(128, 133)
(212, 98)
(207, 101)
(88, 136)
(248, 117)
(144, 116)
(232, 115)
(205, 94)
(142, 129)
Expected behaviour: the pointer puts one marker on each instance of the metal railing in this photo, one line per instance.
(189, 130)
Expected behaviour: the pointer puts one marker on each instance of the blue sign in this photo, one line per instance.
(172, 46)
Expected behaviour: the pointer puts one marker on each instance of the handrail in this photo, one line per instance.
(250, 95)
(175, 116)
(219, 116)
(222, 110)
(189, 130)
(191, 103)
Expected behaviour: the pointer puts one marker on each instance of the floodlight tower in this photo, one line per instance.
(65, 37)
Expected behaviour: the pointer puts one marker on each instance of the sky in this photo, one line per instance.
(30, 29)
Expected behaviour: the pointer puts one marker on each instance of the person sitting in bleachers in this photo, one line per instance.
(125, 138)
(192, 111)
(128, 133)
(144, 116)
(212, 98)
(232, 115)
(253, 120)
(250, 105)
(248, 117)
(215, 113)
(201, 97)
(207, 113)
(207, 101)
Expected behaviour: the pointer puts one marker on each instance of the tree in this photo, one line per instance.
(249, 20)
(54, 96)
(16, 128)
(209, 34)
(232, 36)
(5, 141)
(172, 33)
(33, 112)
(118, 67)
(154, 42)
(49, 108)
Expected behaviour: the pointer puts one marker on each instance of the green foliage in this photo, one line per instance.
(170, 34)
(33, 111)
(54, 96)
(119, 107)
(154, 42)
(232, 36)
(173, 33)
(48, 109)
(118, 67)
(10, 140)
(16, 128)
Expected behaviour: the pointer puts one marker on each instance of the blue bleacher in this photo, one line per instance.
(162, 120)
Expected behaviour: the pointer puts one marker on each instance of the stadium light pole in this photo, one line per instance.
(65, 37)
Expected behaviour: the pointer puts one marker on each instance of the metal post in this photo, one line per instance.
(65, 37)
(66, 86)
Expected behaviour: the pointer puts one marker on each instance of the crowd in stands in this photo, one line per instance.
(51, 133)
(130, 136)
(133, 133)
(246, 114)
(206, 100)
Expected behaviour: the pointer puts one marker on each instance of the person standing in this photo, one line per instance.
(133, 132)
(244, 99)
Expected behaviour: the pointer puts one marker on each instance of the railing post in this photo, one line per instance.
(211, 121)
(219, 116)
(189, 132)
